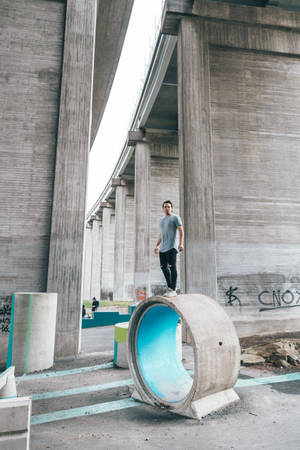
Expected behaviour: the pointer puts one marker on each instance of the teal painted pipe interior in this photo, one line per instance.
(158, 357)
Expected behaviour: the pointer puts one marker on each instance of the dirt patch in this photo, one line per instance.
(271, 351)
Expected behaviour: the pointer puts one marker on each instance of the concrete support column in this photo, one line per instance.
(107, 260)
(120, 231)
(142, 221)
(129, 242)
(96, 257)
(73, 145)
(87, 262)
(195, 155)
(164, 185)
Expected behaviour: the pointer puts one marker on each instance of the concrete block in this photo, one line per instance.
(200, 408)
(15, 415)
(15, 442)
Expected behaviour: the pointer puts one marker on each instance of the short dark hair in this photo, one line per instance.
(167, 201)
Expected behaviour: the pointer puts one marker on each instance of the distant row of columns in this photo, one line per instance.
(190, 155)
(129, 225)
(192, 151)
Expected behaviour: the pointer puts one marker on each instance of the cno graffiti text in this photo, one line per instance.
(270, 299)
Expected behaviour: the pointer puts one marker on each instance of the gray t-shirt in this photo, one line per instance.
(169, 233)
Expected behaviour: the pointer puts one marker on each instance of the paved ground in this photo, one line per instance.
(104, 416)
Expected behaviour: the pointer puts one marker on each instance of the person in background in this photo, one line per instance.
(95, 304)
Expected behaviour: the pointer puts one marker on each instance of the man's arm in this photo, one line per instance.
(157, 244)
(181, 237)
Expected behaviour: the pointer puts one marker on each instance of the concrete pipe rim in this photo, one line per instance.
(135, 365)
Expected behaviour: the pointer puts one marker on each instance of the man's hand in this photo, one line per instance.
(156, 250)
(181, 234)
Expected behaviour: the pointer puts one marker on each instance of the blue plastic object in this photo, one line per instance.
(157, 355)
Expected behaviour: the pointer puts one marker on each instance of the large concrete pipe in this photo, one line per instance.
(159, 376)
(32, 331)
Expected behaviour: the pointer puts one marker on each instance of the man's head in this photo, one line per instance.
(167, 207)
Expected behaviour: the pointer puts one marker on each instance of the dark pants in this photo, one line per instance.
(168, 266)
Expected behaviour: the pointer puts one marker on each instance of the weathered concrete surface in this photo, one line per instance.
(164, 185)
(107, 259)
(92, 258)
(142, 221)
(216, 353)
(96, 258)
(237, 109)
(33, 331)
(129, 243)
(120, 239)
(87, 265)
(156, 180)
(46, 112)
(195, 156)
(266, 417)
(15, 414)
(73, 142)
(31, 58)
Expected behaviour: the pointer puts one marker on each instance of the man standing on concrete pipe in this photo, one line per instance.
(168, 246)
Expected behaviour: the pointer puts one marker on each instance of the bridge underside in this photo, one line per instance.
(216, 130)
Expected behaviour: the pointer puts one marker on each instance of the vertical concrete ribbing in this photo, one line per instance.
(31, 49)
(107, 260)
(120, 211)
(195, 154)
(96, 259)
(73, 144)
(142, 218)
(129, 244)
(87, 262)
(164, 185)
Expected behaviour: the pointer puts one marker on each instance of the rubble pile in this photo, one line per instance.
(283, 353)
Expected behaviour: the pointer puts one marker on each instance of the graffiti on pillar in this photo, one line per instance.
(141, 294)
(232, 298)
(276, 300)
(5, 312)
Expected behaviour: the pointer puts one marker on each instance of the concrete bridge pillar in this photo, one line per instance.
(129, 242)
(195, 154)
(142, 221)
(96, 257)
(120, 238)
(73, 144)
(156, 180)
(107, 260)
(164, 185)
(87, 262)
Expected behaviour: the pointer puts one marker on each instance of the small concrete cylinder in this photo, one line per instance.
(155, 364)
(32, 331)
